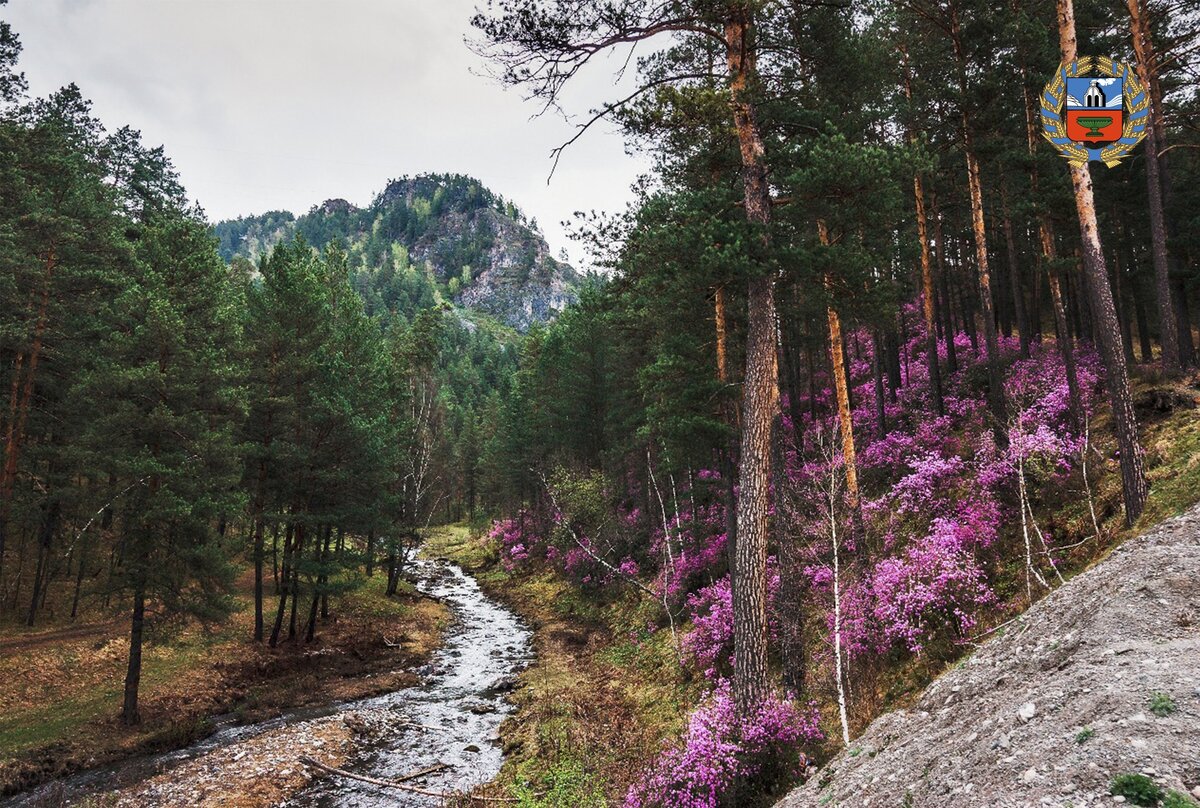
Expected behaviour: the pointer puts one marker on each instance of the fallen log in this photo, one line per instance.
(437, 767)
(375, 781)
(428, 727)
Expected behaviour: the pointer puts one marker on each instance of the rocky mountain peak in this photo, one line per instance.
(446, 232)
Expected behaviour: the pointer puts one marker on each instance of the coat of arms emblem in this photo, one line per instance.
(1095, 109)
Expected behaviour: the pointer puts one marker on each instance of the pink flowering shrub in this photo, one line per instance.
(940, 499)
(936, 584)
(518, 543)
(719, 748)
(709, 645)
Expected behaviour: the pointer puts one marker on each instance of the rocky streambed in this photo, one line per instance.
(449, 724)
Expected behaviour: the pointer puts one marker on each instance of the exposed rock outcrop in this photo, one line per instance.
(1100, 678)
(472, 246)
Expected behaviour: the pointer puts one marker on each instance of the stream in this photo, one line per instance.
(453, 717)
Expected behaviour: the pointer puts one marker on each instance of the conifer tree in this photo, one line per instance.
(1108, 335)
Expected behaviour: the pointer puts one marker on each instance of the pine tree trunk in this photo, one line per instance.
(1187, 348)
(948, 329)
(1014, 279)
(931, 348)
(891, 345)
(841, 387)
(19, 407)
(728, 455)
(1121, 300)
(133, 676)
(50, 516)
(881, 425)
(1133, 474)
(1143, 326)
(285, 579)
(259, 557)
(760, 387)
(1143, 49)
(79, 573)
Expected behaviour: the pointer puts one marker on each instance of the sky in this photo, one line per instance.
(281, 104)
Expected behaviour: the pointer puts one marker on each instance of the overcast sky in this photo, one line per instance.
(269, 104)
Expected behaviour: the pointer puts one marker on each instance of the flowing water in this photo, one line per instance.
(453, 717)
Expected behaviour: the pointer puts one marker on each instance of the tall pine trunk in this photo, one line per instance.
(841, 386)
(259, 556)
(931, 346)
(1143, 49)
(979, 229)
(760, 386)
(20, 404)
(133, 675)
(1014, 278)
(1108, 335)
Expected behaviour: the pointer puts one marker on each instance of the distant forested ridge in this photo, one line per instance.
(304, 408)
(423, 240)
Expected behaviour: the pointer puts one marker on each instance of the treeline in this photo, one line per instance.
(170, 420)
(859, 309)
(989, 242)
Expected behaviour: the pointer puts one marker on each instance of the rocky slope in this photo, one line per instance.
(1100, 678)
(424, 240)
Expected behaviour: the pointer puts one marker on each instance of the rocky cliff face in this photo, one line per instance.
(520, 283)
(472, 246)
(1099, 679)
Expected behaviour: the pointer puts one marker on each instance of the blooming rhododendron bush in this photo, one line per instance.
(946, 541)
(719, 747)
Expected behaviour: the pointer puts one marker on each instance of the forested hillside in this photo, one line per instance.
(424, 240)
(877, 370)
(184, 437)
(871, 370)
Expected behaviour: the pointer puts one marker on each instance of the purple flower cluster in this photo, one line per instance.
(719, 747)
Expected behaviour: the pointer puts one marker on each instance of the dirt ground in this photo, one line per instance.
(60, 689)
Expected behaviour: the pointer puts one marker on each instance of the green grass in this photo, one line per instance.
(1138, 789)
(1162, 705)
(1084, 735)
(54, 721)
(1174, 460)
(565, 783)
(1176, 799)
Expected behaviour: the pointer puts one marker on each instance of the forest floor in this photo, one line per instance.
(61, 686)
(602, 695)
(605, 694)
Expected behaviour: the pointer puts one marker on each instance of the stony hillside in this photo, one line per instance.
(1099, 679)
(427, 239)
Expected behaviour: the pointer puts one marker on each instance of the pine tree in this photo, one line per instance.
(1108, 335)
(168, 403)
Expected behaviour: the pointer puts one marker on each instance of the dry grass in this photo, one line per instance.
(601, 697)
(60, 695)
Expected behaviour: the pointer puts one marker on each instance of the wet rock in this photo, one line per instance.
(504, 684)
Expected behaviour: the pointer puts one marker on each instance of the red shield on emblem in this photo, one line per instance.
(1094, 128)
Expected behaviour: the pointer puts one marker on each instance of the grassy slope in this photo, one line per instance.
(61, 690)
(601, 697)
